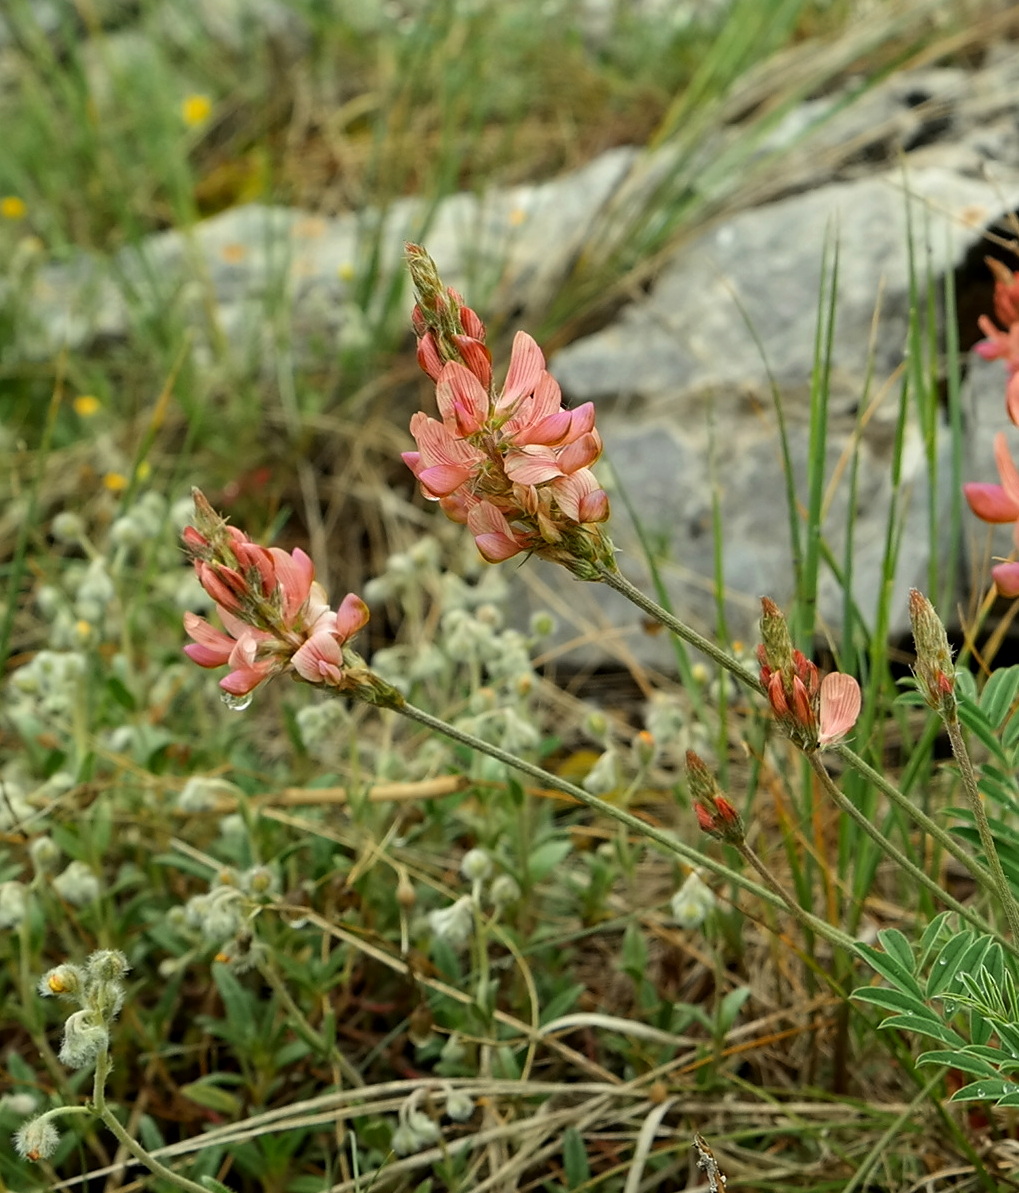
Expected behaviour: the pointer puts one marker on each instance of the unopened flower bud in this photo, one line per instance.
(455, 923)
(503, 891)
(603, 778)
(692, 903)
(934, 671)
(45, 854)
(84, 1039)
(475, 865)
(65, 981)
(13, 903)
(406, 895)
(37, 1139)
(459, 1105)
(777, 645)
(77, 884)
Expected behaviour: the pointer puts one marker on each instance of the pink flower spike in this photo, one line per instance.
(839, 709)
(525, 368)
(492, 532)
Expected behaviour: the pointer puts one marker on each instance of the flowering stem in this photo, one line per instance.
(833, 935)
(665, 840)
(931, 827)
(911, 868)
(103, 1067)
(633, 594)
(976, 803)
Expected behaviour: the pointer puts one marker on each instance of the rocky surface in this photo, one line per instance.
(684, 375)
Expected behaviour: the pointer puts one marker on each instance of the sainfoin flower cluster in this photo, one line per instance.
(990, 502)
(514, 466)
(276, 617)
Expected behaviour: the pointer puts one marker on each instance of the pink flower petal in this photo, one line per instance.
(580, 454)
(443, 479)
(211, 647)
(990, 502)
(839, 708)
(462, 400)
(492, 533)
(294, 574)
(525, 368)
(320, 660)
(1006, 468)
(532, 465)
(1006, 578)
(351, 617)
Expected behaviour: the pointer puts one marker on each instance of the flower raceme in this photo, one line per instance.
(513, 466)
(276, 617)
(814, 712)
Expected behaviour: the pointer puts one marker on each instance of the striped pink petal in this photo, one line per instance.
(839, 708)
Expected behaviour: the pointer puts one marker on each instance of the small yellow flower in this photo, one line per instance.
(346, 272)
(56, 982)
(143, 471)
(85, 405)
(195, 110)
(116, 482)
(13, 208)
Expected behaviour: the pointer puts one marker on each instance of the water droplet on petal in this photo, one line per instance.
(237, 703)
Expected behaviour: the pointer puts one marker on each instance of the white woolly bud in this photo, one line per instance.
(68, 527)
(77, 885)
(203, 794)
(459, 1105)
(603, 778)
(692, 903)
(37, 1139)
(455, 923)
(475, 865)
(19, 1104)
(503, 891)
(84, 1039)
(45, 854)
(13, 903)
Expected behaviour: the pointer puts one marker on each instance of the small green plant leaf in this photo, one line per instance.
(924, 1026)
(890, 967)
(207, 1092)
(575, 1165)
(634, 953)
(958, 1059)
(731, 1006)
(978, 725)
(214, 1186)
(999, 694)
(986, 1090)
(932, 938)
(891, 999)
(896, 945)
(946, 966)
(547, 856)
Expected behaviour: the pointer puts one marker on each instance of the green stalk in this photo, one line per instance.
(976, 802)
(671, 844)
(911, 868)
(132, 1145)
